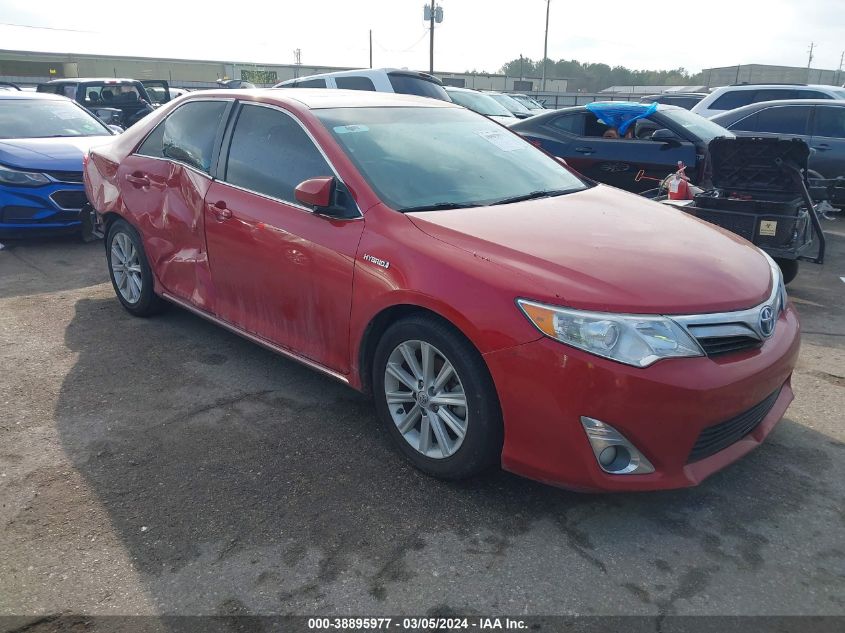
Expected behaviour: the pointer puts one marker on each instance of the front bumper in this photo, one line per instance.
(545, 387)
(46, 210)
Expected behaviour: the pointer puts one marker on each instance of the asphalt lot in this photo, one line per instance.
(167, 466)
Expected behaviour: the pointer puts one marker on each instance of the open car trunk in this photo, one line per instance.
(760, 192)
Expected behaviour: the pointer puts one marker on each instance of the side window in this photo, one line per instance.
(311, 83)
(783, 120)
(55, 89)
(571, 123)
(748, 124)
(812, 94)
(354, 83)
(773, 94)
(187, 135)
(732, 99)
(271, 154)
(830, 122)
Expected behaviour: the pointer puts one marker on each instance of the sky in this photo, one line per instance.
(475, 34)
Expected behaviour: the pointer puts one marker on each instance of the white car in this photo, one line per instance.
(481, 103)
(407, 82)
(732, 97)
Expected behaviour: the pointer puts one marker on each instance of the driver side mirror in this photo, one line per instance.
(325, 196)
(664, 135)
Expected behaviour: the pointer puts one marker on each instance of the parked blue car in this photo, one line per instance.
(42, 140)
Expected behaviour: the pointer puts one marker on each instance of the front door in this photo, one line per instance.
(280, 271)
(828, 141)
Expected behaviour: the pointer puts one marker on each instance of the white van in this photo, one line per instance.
(407, 82)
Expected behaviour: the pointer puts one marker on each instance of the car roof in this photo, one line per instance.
(459, 89)
(367, 72)
(774, 86)
(320, 98)
(82, 80)
(25, 94)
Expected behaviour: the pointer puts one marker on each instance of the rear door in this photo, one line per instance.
(158, 91)
(282, 272)
(163, 185)
(828, 141)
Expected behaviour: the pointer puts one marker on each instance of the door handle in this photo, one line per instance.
(138, 180)
(822, 147)
(220, 211)
(584, 150)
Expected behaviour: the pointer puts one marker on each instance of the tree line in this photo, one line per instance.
(589, 77)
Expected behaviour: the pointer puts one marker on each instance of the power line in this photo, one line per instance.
(45, 28)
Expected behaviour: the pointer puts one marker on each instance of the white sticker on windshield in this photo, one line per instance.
(503, 140)
(350, 129)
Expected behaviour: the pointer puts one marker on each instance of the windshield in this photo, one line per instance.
(479, 103)
(429, 158)
(511, 104)
(36, 118)
(410, 85)
(696, 125)
(528, 102)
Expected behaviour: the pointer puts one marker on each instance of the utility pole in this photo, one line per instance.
(546, 46)
(431, 39)
(371, 48)
(810, 61)
(297, 57)
(432, 14)
(839, 72)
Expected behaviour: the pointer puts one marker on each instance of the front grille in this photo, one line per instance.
(715, 345)
(719, 436)
(66, 176)
(69, 199)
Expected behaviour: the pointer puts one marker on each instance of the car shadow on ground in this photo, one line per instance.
(208, 451)
(57, 264)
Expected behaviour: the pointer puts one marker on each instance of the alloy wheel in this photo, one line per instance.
(426, 399)
(126, 268)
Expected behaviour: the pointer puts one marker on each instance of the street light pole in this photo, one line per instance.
(546, 46)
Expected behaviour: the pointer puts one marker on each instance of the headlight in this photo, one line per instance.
(777, 279)
(630, 339)
(9, 176)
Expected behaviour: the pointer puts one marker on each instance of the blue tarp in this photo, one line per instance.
(621, 114)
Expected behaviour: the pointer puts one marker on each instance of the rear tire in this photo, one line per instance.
(789, 269)
(446, 421)
(131, 275)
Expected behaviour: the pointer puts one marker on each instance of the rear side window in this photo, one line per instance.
(572, 123)
(187, 135)
(354, 83)
(410, 85)
(55, 89)
(783, 120)
(773, 94)
(812, 94)
(830, 122)
(271, 154)
(310, 83)
(733, 99)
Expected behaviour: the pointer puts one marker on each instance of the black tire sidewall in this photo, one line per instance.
(482, 444)
(788, 268)
(148, 303)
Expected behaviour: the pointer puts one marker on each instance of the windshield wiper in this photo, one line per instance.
(545, 193)
(440, 206)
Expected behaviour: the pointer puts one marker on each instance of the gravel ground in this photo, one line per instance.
(165, 466)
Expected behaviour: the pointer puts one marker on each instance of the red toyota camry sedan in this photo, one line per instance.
(500, 308)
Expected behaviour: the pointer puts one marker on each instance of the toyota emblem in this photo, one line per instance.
(767, 321)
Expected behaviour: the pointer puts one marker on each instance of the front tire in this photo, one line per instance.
(130, 272)
(436, 398)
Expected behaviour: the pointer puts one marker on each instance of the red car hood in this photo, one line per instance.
(605, 249)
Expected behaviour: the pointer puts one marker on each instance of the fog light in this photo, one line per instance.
(614, 453)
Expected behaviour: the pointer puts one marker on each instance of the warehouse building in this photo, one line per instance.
(32, 68)
(765, 74)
